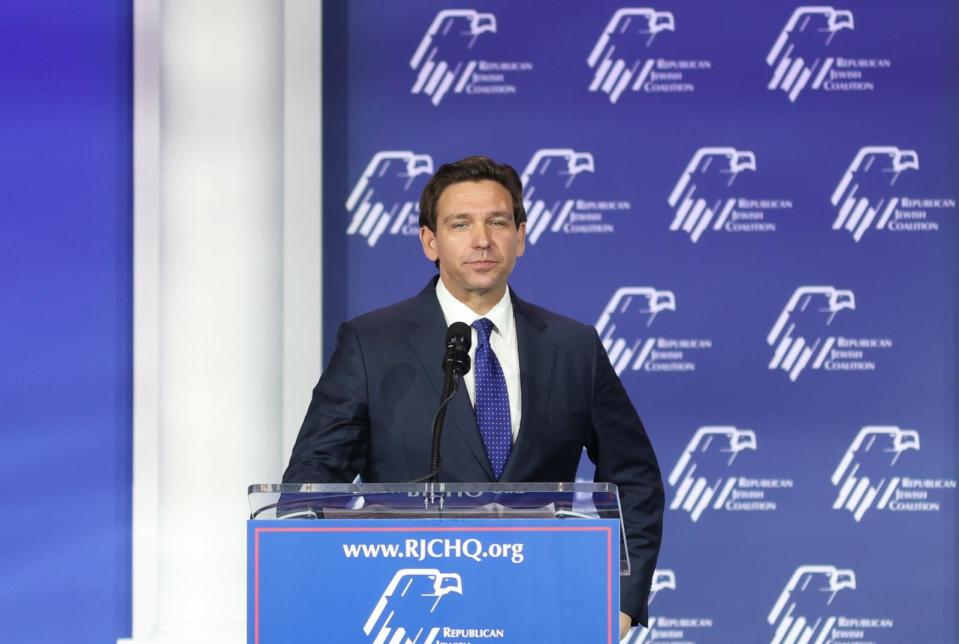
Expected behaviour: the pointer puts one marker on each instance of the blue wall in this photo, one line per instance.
(891, 83)
(65, 320)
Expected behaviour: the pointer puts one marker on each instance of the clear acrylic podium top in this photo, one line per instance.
(439, 501)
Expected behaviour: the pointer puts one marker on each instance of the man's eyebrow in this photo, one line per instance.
(467, 215)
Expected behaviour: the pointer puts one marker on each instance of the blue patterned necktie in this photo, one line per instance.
(492, 400)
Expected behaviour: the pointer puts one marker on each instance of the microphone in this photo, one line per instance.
(456, 362)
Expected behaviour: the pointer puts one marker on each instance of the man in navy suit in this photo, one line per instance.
(541, 388)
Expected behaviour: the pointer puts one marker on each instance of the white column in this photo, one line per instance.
(302, 203)
(219, 289)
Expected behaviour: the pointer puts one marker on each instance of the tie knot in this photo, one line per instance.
(483, 328)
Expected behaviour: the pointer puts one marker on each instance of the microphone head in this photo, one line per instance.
(459, 336)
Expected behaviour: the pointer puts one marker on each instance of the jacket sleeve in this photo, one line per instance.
(332, 444)
(623, 455)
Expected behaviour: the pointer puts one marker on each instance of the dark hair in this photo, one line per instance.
(476, 168)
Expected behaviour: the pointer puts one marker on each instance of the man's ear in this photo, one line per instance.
(428, 240)
(521, 242)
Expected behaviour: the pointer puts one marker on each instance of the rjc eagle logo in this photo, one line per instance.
(625, 320)
(799, 332)
(618, 56)
(385, 193)
(802, 613)
(866, 189)
(403, 613)
(442, 57)
(700, 195)
(862, 475)
(662, 580)
(798, 53)
(701, 471)
(547, 177)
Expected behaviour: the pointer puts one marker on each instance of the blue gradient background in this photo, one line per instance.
(65, 320)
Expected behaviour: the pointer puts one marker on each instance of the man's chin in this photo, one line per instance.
(480, 282)
(486, 284)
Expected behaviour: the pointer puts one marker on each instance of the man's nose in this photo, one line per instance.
(481, 237)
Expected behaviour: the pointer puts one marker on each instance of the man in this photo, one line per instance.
(541, 387)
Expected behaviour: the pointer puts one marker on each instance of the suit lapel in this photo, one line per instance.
(537, 358)
(427, 343)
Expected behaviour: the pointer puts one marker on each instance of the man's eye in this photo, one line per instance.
(459, 225)
(498, 223)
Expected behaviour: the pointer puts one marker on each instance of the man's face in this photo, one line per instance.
(476, 240)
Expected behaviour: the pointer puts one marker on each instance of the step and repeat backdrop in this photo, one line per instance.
(754, 203)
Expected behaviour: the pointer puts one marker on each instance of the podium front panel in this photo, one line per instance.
(433, 581)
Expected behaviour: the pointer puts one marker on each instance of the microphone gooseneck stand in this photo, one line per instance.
(456, 362)
(459, 364)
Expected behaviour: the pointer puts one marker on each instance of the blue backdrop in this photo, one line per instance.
(755, 204)
(65, 320)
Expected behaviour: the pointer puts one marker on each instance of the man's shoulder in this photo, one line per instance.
(424, 305)
(551, 322)
(388, 316)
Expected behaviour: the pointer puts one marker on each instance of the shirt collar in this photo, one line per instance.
(501, 315)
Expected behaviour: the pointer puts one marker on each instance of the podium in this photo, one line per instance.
(434, 563)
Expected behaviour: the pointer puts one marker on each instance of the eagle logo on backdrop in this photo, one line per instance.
(403, 613)
(799, 53)
(546, 181)
(863, 475)
(800, 335)
(663, 579)
(701, 477)
(385, 195)
(701, 196)
(625, 322)
(866, 191)
(802, 612)
(619, 58)
(664, 624)
(443, 60)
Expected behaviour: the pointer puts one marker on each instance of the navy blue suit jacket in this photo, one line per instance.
(372, 409)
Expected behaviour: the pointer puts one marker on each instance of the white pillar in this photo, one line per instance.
(302, 204)
(219, 303)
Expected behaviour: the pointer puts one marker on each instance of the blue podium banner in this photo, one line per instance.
(433, 581)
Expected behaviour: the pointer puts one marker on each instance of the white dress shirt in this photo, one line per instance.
(502, 341)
